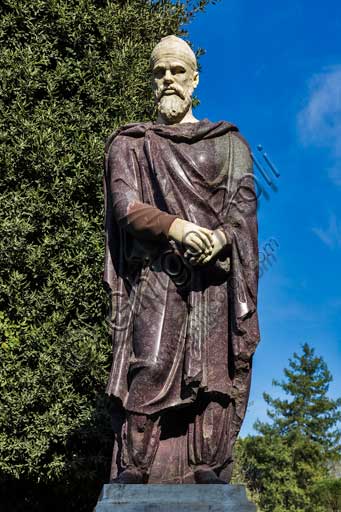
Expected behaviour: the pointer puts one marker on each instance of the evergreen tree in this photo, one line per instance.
(72, 71)
(308, 412)
(294, 450)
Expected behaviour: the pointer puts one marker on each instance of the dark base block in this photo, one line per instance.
(173, 498)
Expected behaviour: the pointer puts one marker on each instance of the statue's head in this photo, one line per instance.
(175, 76)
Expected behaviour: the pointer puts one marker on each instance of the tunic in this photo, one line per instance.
(178, 329)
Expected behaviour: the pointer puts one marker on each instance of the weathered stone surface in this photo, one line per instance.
(181, 273)
(173, 498)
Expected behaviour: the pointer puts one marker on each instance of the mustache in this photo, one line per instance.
(174, 88)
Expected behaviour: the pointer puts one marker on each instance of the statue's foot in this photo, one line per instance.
(130, 476)
(207, 476)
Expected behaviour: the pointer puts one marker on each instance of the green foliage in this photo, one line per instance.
(9, 333)
(285, 463)
(308, 412)
(328, 494)
(72, 71)
(267, 471)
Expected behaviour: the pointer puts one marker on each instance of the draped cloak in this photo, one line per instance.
(170, 338)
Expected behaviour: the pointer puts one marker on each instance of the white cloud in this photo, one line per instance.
(319, 123)
(331, 236)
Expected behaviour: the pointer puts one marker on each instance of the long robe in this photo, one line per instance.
(179, 330)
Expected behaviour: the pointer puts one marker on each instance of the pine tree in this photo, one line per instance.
(308, 412)
(71, 72)
(294, 450)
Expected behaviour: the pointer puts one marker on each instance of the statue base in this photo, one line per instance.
(173, 498)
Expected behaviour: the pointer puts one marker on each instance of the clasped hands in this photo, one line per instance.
(201, 244)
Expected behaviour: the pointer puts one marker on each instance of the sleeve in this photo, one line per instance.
(141, 220)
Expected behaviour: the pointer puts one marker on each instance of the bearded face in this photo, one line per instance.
(173, 84)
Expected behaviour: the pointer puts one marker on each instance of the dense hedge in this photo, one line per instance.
(71, 72)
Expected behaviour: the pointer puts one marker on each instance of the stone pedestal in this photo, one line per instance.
(173, 498)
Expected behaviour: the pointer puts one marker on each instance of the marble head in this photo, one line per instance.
(175, 76)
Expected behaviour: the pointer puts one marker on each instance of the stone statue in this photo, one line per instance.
(181, 270)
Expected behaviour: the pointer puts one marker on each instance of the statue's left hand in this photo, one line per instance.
(219, 242)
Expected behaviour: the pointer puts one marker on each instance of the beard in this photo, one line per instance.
(173, 108)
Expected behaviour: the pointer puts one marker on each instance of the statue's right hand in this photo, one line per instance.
(193, 237)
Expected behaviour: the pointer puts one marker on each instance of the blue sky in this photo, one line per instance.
(274, 69)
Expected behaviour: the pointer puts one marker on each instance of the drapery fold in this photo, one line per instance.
(201, 172)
